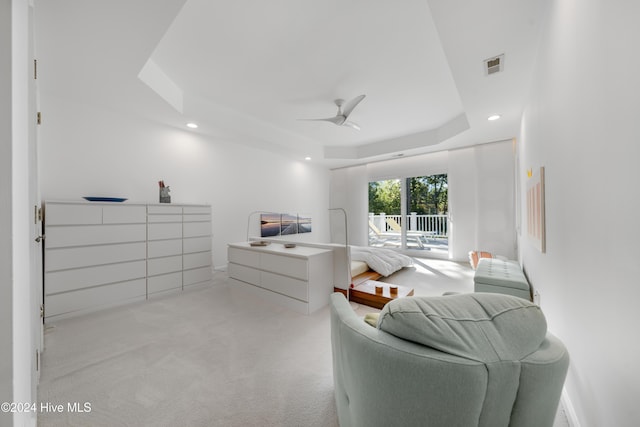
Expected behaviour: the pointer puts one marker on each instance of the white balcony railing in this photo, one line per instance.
(423, 231)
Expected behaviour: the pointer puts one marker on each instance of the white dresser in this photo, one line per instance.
(196, 245)
(103, 254)
(164, 249)
(299, 278)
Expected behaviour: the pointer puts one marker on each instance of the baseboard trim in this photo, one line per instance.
(569, 411)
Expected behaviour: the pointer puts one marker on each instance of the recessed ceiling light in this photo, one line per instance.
(494, 117)
(192, 125)
(307, 158)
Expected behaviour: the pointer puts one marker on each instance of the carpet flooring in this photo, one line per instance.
(211, 356)
(206, 357)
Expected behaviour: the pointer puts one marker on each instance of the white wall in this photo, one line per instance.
(347, 193)
(482, 200)
(481, 195)
(463, 203)
(495, 189)
(581, 125)
(88, 151)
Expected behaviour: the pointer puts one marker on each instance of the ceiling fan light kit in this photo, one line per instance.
(340, 119)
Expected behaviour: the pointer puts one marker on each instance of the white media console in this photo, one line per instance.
(300, 278)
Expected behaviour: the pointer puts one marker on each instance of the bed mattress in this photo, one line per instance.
(358, 267)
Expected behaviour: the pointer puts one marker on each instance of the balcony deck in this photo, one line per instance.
(425, 233)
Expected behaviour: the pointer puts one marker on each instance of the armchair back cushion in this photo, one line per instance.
(476, 326)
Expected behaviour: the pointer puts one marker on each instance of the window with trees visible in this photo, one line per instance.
(410, 213)
(426, 195)
(384, 196)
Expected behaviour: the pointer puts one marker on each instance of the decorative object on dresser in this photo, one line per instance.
(165, 197)
(104, 199)
(102, 254)
(299, 278)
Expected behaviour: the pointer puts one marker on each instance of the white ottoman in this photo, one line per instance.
(501, 277)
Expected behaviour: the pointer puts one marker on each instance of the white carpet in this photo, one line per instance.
(206, 357)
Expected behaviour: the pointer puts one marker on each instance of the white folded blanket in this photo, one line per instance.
(384, 261)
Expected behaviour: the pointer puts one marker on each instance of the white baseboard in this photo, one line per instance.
(569, 411)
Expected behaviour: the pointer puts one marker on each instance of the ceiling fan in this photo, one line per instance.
(341, 117)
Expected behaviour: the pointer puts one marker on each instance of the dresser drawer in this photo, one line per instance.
(288, 286)
(196, 229)
(67, 214)
(165, 231)
(94, 298)
(164, 265)
(196, 244)
(59, 237)
(195, 276)
(197, 218)
(199, 259)
(196, 209)
(124, 214)
(161, 248)
(244, 257)
(164, 218)
(164, 282)
(288, 266)
(65, 258)
(164, 209)
(68, 280)
(244, 273)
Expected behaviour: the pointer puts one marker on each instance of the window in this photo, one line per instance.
(409, 214)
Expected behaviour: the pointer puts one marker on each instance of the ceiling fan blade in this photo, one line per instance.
(351, 105)
(337, 120)
(351, 125)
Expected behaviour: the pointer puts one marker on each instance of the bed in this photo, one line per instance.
(373, 263)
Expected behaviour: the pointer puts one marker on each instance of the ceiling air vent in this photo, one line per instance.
(494, 65)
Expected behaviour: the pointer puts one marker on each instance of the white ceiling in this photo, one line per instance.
(247, 70)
